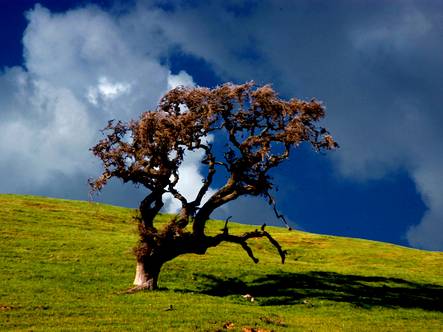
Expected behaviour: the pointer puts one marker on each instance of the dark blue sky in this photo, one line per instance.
(68, 66)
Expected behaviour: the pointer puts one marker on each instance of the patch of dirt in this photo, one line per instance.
(4, 307)
(229, 325)
(254, 329)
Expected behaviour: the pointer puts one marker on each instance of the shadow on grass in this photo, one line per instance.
(362, 291)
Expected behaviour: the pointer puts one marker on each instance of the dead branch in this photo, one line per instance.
(280, 216)
(242, 240)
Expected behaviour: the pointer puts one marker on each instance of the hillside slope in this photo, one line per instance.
(65, 265)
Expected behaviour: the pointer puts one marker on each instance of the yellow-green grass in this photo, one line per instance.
(65, 265)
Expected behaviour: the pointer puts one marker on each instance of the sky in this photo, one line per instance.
(67, 67)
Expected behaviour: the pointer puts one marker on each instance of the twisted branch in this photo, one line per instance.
(242, 240)
(280, 216)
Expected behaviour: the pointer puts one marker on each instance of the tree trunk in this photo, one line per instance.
(146, 276)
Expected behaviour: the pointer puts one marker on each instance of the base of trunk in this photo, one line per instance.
(144, 279)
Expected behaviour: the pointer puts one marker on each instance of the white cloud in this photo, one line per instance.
(48, 120)
(190, 181)
(428, 234)
(47, 126)
(107, 91)
(181, 79)
(89, 53)
(80, 70)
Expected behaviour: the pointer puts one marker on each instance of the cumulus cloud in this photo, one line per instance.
(80, 70)
(190, 181)
(39, 131)
(427, 234)
(107, 91)
(181, 79)
(47, 116)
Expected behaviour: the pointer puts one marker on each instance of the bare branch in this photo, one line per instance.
(277, 245)
(242, 240)
(280, 216)
(210, 161)
(225, 228)
(177, 195)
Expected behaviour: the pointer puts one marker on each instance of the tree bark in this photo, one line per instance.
(146, 277)
(150, 206)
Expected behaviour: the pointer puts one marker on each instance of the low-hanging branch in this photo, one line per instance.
(242, 240)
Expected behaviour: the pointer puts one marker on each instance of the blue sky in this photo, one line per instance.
(66, 67)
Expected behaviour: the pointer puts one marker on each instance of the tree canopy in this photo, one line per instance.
(259, 131)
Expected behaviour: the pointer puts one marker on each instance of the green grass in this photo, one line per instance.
(65, 264)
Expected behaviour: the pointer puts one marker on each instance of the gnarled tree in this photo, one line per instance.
(258, 130)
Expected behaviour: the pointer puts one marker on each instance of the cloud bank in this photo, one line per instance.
(80, 71)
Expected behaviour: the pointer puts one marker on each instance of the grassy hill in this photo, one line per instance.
(65, 265)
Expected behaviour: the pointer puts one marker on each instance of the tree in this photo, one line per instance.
(258, 130)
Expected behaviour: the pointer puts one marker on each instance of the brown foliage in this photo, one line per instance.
(259, 130)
